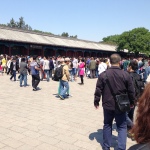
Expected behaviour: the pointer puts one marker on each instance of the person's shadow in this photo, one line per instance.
(99, 137)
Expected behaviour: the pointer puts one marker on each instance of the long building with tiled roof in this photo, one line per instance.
(23, 42)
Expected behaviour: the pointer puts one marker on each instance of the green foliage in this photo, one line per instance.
(65, 34)
(12, 23)
(74, 36)
(112, 40)
(42, 31)
(20, 24)
(4, 25)
(136, 40)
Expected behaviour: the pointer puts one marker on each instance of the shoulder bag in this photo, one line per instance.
(122, 101)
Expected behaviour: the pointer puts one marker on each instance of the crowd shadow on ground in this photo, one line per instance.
(99, 137)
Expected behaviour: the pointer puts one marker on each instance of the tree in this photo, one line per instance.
(27, 27)
(12, 23)
(42, 32)
(136, 40)
(65, 34)
(21, 23)
(4, 25)
(113, 39)
(74, 36)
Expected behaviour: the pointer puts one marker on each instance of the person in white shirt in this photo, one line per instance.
(46, 67)
(8, 65)
(74, 68)
(102, 66)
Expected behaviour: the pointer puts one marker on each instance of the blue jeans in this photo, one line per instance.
(74, 71)
(64, 87)
(121, 123)
(23, 77)
(147, 72)
(96, 73)
(129, 121)
(47, 74)
(71, 76)
(13, 75)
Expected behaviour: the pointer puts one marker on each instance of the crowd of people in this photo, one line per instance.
(126, 76)
(121, 87)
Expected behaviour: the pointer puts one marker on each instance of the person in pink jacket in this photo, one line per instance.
(82, 71)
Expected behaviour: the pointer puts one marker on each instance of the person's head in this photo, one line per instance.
(34, 58)
(62, 60)
(8, 58)
(141, 128)
(45, 57)
(101, 60)
(82, 60)
(133, 66)
(22, 59)
(115, 59)
(67, 61)
(14, 59)
(105, 60)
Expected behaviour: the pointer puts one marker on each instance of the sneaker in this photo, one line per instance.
(20, 85)
(68, 95)
(61, 97)
(38, 88)
(34, 89)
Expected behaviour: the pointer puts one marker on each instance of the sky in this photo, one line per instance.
(88, 19)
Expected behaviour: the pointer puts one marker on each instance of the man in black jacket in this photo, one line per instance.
(13, 69)
(51, 66)
(121, 83)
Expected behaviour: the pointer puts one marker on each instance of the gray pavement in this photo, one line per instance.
(38, 120)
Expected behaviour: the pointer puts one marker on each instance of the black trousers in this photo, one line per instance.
(81, 76)
(50, 73)
(92, 73)
(35, 80)
(8, 71)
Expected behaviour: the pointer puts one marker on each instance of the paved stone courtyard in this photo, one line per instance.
(40, 121)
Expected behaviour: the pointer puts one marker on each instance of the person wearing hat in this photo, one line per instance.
(64, 81)
(62, 63)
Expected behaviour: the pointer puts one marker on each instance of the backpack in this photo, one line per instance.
(58, 73)
(138, 84)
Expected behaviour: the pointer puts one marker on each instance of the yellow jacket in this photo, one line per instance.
(66, 74)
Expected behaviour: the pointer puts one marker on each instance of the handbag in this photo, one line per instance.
(122, 101)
